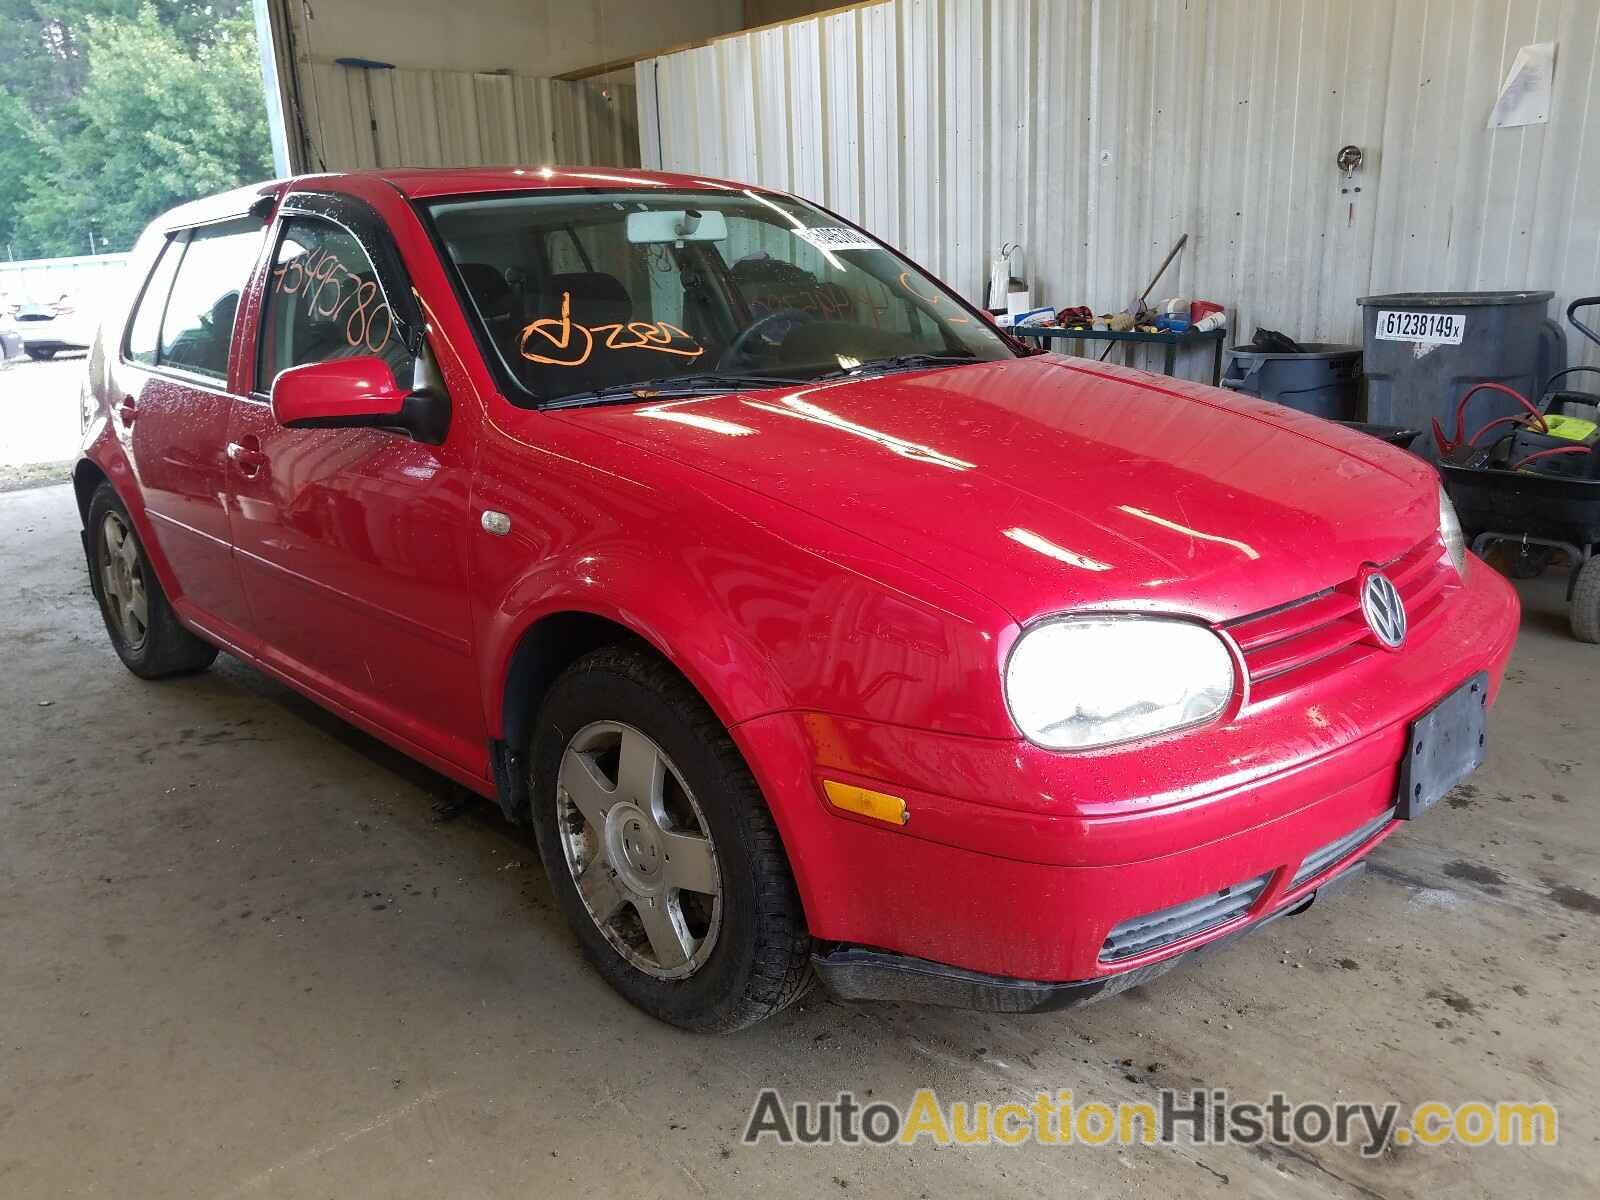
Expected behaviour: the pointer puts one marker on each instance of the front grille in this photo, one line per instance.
(1327, 629)
(1168, 925)
(1324, 858)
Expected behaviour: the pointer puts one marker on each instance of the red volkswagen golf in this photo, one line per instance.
(818, 629)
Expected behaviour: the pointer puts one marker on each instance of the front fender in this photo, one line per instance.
(638, 594)
(749, 647)
(760, 606)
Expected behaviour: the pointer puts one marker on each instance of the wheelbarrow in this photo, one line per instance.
(1532, 497)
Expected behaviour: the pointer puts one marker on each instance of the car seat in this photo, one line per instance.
(496, 300)
(597, 298)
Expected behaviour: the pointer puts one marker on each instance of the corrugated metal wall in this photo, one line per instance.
(1096, 132)
(398, 117)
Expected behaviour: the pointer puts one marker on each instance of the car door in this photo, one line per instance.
(352, 543)
(174, 405)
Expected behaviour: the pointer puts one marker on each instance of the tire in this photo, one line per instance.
(146, 636)
(41, 355)
(1585, 609)
(736, 956)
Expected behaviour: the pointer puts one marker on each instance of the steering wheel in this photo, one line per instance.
(740, 350)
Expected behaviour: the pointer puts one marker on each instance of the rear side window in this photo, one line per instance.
(324, 302)
(144, 333)
(198, 325)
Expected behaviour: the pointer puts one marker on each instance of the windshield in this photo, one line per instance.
(580, 293)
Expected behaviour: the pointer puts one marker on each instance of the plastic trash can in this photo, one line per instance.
(1423, 350)
(1324, 380)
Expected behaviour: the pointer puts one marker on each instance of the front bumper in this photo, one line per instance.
(1019, 863)
(860, 973)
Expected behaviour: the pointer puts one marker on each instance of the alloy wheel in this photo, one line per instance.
(122, 582)
(639, 850)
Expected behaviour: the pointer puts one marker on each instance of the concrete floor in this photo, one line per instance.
(248, 951)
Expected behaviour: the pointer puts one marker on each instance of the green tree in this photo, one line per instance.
(164, 115)
(43, 55)
(18, 160)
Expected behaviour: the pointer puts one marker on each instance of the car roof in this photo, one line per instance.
(422, 183)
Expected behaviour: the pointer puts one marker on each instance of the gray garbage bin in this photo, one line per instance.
(1424, 350)
(1323, 380)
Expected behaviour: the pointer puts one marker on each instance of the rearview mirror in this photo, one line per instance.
(360, 392)
(676, 225)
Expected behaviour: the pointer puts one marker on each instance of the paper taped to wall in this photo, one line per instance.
(1525, 95)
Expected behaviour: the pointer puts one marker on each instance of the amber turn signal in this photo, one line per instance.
(878, 805)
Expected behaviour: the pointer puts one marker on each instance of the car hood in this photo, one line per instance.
(1045, 483)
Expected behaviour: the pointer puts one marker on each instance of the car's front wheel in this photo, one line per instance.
(144, 630)
(660, 848)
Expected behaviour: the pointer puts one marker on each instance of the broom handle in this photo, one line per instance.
(1162, 269)
(1155, 279)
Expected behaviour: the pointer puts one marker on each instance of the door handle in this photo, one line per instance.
(127, 410)
(247, 457)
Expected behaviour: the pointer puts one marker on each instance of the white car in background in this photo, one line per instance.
(49, 329)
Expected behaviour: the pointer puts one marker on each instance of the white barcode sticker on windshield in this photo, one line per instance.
(836, 237)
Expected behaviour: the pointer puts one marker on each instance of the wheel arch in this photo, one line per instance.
(548, 646)
(555, 639)
(550, 640)
(87, 476)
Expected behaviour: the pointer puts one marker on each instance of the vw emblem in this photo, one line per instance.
(1384, 610)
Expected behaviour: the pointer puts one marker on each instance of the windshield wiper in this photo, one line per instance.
(674, 386)
(903, 362)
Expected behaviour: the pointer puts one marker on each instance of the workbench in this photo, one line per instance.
(1172, 342)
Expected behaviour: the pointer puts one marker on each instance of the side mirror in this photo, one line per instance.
(360, 392)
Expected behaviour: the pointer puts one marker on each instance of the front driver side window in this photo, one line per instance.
(324, 302)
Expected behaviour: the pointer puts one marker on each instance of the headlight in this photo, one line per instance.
(1091, 681)
(1450, 530)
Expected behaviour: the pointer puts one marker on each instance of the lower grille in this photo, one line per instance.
(1324, 858)
(1168, 925)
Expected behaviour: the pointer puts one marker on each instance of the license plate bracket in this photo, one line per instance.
(1446, 745)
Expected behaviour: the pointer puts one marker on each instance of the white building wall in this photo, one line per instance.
(1096, 132)
(465, 84)
(358, 118)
